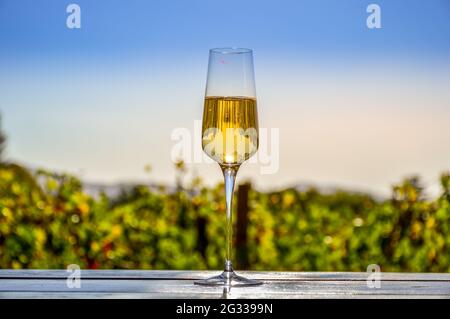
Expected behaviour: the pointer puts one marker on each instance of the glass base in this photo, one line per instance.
(228, 279)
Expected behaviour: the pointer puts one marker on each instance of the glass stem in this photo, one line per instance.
(229, 174)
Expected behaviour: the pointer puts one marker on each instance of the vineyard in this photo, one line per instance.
(47, 220)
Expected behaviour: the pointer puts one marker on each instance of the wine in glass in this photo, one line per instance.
(230, 134)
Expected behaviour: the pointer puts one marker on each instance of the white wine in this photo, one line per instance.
(230, 136)
(230, 129)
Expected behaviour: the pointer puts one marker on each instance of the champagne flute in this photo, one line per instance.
(230, 133)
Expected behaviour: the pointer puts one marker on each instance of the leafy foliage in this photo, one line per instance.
(2, 141)
(48, 221)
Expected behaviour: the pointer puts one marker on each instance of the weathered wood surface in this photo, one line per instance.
(180, 284)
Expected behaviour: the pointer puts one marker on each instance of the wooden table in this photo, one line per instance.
(179, 284)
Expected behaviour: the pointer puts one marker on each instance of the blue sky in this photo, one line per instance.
(102, 101)
(113, 28)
